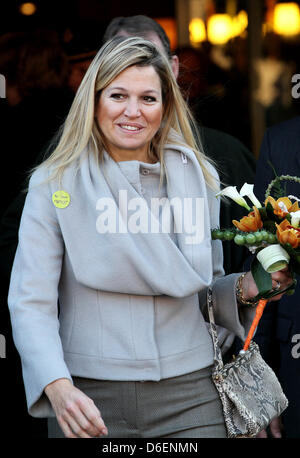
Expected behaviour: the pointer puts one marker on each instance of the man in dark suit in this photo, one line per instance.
(278, 333)
(37, 101)
(235, 163)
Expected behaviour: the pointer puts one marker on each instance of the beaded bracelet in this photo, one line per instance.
(240, 296)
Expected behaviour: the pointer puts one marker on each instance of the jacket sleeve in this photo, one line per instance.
(227, 313)
(33, 296)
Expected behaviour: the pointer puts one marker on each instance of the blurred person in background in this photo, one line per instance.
(236, 164)
(273, 74)
(81, 49)
(278, 333)
(36, 71)
(37, 100)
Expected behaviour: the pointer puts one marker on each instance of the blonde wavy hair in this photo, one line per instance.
(80, 129)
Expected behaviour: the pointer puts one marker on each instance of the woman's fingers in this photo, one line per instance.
(80, 424)
(76, 413)
(75, 426)
(284, 278)
(262, 434)
(84, 418)
(93, 415)
(66, 428)
(280, 281)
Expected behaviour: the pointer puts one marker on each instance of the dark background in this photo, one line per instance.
(59, 14)
(86, 20)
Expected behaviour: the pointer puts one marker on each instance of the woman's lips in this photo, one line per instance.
(132, 128)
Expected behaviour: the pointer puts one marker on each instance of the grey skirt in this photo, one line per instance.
(186, 406)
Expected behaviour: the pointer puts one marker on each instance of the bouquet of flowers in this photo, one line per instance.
(271, 232)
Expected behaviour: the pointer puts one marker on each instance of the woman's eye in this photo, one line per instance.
(117, 96)
(150, 99)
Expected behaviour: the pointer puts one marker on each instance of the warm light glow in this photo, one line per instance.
(169, 26)
(27, 8)
(219, 28)
(197, 30)
(287, 19)
(239, 24)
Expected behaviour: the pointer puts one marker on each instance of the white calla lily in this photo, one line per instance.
(295, 218)
(273, 258)
(283, 207)
(247, 190)
(233, 194)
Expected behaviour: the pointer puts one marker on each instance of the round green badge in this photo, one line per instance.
(61, 199)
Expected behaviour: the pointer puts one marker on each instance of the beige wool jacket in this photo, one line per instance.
(131, 306)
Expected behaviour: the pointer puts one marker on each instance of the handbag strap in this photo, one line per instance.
(218, 361)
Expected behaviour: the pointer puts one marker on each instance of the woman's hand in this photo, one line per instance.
(76, 413)
(275, 428)
(282, 278)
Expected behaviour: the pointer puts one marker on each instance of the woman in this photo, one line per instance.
(108, 229)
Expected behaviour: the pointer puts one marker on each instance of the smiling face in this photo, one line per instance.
(129, 113)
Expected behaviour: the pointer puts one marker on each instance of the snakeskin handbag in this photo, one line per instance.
(249, 390)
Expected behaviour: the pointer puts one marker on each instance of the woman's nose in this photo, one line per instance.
(132, 108)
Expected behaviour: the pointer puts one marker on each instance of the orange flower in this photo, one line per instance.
(282, 206)
(250, 223)
(288, 234)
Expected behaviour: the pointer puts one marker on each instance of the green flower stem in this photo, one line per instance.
(281, 178)
(244, 238)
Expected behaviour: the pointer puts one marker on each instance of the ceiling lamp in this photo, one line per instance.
(219, 28)
(239, 23)
(197, 30)
(27, 8)
(2, 86)
(286, 19)
(169, 26)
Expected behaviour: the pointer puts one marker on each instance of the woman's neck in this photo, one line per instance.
(128, 155)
